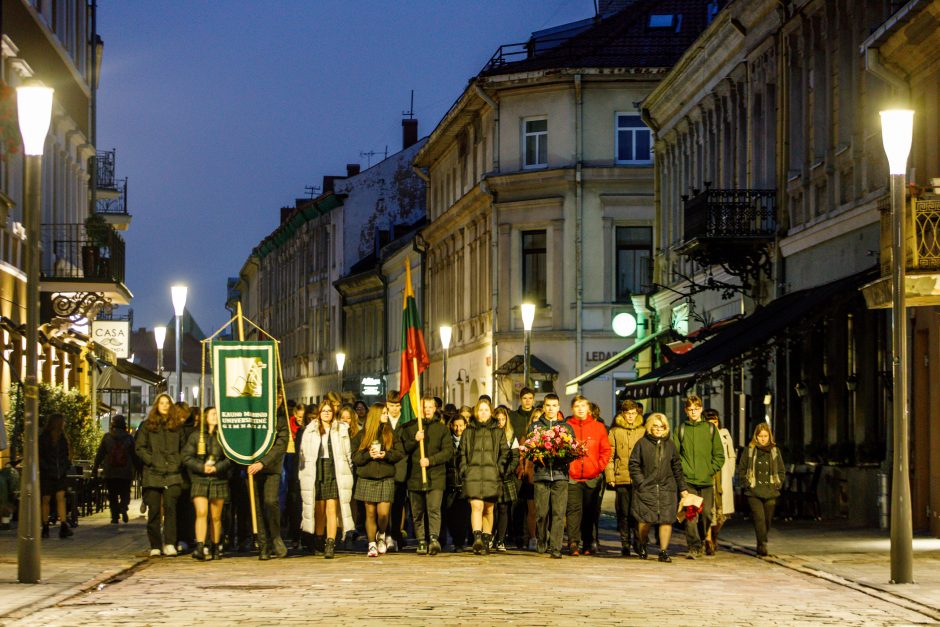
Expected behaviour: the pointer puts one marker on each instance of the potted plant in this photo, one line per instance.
(98, 241)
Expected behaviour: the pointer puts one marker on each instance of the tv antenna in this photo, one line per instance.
(410, 113)
(373, 153)
(312, 191)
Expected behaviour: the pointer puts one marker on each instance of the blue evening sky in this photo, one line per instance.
(222, 112)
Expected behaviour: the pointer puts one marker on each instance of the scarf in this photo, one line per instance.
(751, 457)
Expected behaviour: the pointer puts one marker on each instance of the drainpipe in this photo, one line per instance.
(579, 225)
(494, 283)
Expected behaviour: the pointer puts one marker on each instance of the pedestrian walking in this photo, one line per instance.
(456, 505)
(115, 458)
(159, 447)
(426, 497)
(585, 480)
(761, 471)
(656, 471)
(623, 435)
(702, 456)
(376, 451)
(509, 494)
(54, 464)
(208, 484)
(400, 498)
(326, 478)
(348, 416)
(185, 513)
(485, 455)
(723, 484)
(292, 505)
(520, 419)
(266, 475)
(550, 485)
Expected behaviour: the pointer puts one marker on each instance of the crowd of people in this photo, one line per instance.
(457, 481)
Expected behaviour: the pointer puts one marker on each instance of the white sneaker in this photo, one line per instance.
(169, 550)
(373, 550)
(155, 553)
(380, 546)
(391, 544)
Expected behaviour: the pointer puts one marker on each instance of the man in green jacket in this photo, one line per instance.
(702, 455)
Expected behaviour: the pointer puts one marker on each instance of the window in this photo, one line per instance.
(634, 139)
(534, 263)
(660, 20)
(535, 143)
(634, 260)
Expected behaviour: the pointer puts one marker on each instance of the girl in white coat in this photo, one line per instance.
(326, 478)
(723, 485)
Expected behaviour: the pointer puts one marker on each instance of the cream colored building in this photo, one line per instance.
(541, 188)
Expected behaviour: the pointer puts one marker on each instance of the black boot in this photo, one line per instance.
(328, 548)
(199, 553)
(265, 553)
(625, 546)
(216, 551)
(318, 544)
(478, 542)
(45, 531)
(641, 551)
(487, 541)
(64, 531)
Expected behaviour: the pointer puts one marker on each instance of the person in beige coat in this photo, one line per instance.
(723, 506)
(623, 436)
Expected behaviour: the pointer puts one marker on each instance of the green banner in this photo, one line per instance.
(244, 380)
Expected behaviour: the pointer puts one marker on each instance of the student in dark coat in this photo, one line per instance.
(761, 471)
(656, 473)
(426, 497)
(54, 466)
(115, 457)
(266, 474)
(485, 454)
(208, 484)
(456, 506)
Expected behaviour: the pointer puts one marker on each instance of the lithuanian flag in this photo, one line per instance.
(414, 354)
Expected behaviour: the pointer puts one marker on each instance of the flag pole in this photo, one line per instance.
(424, 471)
(251, 479)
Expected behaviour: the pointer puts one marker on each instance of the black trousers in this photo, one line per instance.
(119, 495)
(551, 499)
(426, 505)
(236, 513)
(623, 504)
(456, 517)
(398, 511)
(186, 518)
(154, 498)
(267, 507)
(583, 509)
(503, 519)
(762, 515)
(696, 528)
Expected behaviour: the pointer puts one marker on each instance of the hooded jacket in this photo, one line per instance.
(160, 452)
(622, 437)
(593, 434)
(438, 448)
(308, 453)
(485, 456)
(700, 450)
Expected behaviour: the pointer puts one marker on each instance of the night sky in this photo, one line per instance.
(222, 112)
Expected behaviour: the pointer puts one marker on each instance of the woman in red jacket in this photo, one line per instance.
(585, 477)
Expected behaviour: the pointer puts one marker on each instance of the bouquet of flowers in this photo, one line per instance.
(690, 506)
(555, 444)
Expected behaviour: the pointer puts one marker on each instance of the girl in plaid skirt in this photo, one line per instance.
(510, 485)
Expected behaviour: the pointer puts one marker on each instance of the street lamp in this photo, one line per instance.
(446, 332)
(340, 362)
(528, 317)
(195, 394)
(159, 336)
(897, 128)
(178, 294)
(34, 109)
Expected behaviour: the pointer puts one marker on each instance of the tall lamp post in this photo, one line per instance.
(34, 108)
(528, 317)
(897, 128)
(340, 362)
(446, 332)
(178, 293)
(159, 336)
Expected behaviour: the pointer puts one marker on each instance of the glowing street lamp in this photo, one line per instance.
(159, 336)
(528, 317)
(446, 333)
(340, 362)
(178, 294)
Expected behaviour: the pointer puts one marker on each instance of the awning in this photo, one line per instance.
(516, 365)
(737, 339)
(613, 362)
(138, 372)
(111, 379)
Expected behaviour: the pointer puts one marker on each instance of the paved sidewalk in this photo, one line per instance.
(97, 552)
(859, 558)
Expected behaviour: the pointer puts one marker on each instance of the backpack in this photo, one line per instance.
(117, 454)
(681, 434)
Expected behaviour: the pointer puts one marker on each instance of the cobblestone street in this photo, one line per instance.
(524, 589)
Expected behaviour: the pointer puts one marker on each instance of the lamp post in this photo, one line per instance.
(446, 332)
(178, 293)
(34, 107)
(897, 128)
(528, 317)
(340, 362)
(159, 336)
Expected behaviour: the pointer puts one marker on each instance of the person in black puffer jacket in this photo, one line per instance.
(485, 455)
(656, 473)
(209, 483)
(761, 472)
(54, 466)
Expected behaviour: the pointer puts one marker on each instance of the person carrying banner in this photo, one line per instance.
(209, 483)
(158, 446)
(426, 497)
(266, 475)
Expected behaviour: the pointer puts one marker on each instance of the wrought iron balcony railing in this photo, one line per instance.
(731, 214)
(104, 170)
(923, 237)
(114, 204)
(70, 253)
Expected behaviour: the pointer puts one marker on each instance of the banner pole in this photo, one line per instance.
(201, 447)
(251, 478)
(291, 447)
(424, 471)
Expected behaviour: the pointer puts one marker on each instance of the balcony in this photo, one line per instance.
(75, 261)
(110, 192)
(922, 263)
(731, 228)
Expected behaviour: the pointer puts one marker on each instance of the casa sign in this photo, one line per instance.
(113, 335)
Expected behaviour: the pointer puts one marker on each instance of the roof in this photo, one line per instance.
(626, 39)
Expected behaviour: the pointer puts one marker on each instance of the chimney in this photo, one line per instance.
(409, 133)
(352, 169)
(329, 183)
(286, 213)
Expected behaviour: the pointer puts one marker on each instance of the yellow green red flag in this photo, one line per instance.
(414, 354)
